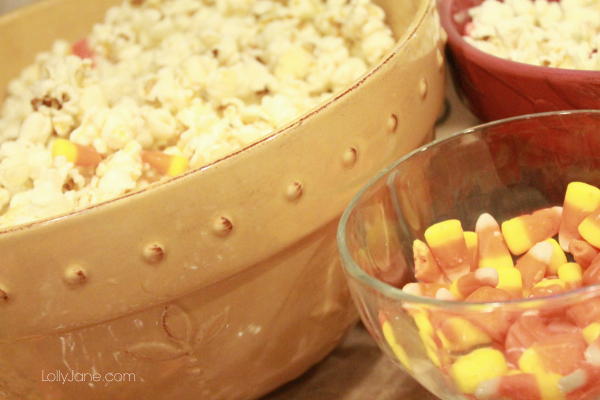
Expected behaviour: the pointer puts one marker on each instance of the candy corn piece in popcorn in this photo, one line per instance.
(447, 242)
(79, 155)
(533, 264)
(583, 253)
(580, 200)
(523, 232)
(492, 249)
(427, 268)
(520, 386)
(166, 164)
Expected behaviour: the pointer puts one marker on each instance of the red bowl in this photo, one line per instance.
(495, 88)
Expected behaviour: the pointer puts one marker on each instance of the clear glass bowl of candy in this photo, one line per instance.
(473, 260)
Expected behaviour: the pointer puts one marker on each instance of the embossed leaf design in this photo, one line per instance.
(211, 327)
(177, 324)
(156, 351)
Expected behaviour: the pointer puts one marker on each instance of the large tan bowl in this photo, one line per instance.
(223, 283)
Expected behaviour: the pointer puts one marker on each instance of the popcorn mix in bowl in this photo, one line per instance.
(163, 86)
(561, 34)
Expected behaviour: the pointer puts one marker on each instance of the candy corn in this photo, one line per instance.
(514, 352)
(480, 365)
(79, 155)
(166, 164)
(447, 242)
(523, 232)
(533, 264)
(493, 251)
(459, 334)
(548, 287)
(580, 200)
(510, 280)
(558, 257)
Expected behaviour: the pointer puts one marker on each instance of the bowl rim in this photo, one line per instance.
(496, 63)
(352, 270)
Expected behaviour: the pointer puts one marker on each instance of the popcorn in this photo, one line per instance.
(560, 34)
(180, 80)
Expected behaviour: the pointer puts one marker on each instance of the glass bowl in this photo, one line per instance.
(476, 350)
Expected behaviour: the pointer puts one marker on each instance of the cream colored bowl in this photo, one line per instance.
(225, 282)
